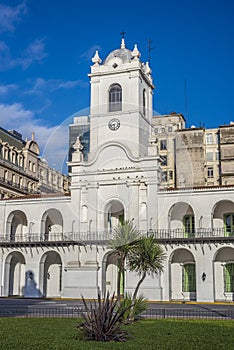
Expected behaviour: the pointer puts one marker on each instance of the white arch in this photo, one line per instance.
(222, 257)
(114, 212)
(50, 274)
(14, 274)
(176, 214)
(179, 259)
(52, 225)
(16, 224)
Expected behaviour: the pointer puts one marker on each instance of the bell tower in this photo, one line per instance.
(121, 101)
(119, 179)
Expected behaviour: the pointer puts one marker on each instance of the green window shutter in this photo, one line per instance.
(229, 278)
(229, 224)
(189, 278)
(189, 225)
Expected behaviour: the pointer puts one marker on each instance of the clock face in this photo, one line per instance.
(114, 124)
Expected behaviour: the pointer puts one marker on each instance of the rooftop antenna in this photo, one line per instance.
(150, 48)
(185, 99)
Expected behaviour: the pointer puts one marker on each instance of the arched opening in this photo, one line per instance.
(115, 98)
(50, 274)
(114, 214)
(181, 218)
(110, 271)
(144, 103)
(224, 274)
(14, 274)
(52, 225)
(16, 225)
(223, 218)
(182, 275)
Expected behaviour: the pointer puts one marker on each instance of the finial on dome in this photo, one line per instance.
(96, 59)
(136, 53)
(123, 44)
(147, 68)
(122, 41)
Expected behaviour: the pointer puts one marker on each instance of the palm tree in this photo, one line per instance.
(125, 237)
(145, 258)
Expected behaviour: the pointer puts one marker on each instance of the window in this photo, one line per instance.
(229, 278)
(6, 153)
(163, 130)
(163, 145)
(156, 131)
(13, 157)
(5, 175)
(144, 102)
(164, 160)
(84, 213)
(209, 156)
(143, 210)
(210, 172)
(170, 174)
(30, 165)
(169, 128)
(189, 225)
(21, 181)
(164, 176)
(229, 224)
(115, 98)
(189, 278)
(209, 139)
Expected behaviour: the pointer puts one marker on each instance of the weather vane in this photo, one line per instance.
(150, 48)
(123, 33)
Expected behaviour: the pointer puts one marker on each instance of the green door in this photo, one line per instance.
(189, 225)
(229, 278)
(189, 278)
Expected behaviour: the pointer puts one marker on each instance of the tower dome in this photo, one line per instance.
(124, 54)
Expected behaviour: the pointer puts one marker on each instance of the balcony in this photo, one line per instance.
(164, 236)
(16, 186)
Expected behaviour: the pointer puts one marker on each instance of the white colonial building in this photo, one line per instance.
(57, 245)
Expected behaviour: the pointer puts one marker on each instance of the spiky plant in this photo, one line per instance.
(102, 320)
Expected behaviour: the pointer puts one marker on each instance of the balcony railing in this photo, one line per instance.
(104, 236)
(16, 186)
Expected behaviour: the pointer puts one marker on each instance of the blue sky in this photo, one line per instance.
(46, 49)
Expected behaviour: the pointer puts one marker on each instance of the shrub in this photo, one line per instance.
(102, 320)
(134, 309)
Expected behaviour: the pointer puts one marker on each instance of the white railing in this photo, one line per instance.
(103, 236)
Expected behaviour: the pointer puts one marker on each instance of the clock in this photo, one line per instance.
(114, 124)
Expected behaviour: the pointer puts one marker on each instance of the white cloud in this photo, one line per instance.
(41, 85)
(5, 89)
(35, 52)
(89, 53)
(52, 140)
(9, 16)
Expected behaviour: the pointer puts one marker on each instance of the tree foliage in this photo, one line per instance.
(125, 237)
(145, 258)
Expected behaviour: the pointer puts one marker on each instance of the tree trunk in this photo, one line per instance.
(138, 286)
(120, 270)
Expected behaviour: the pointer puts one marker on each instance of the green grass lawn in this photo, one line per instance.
(62, 334)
